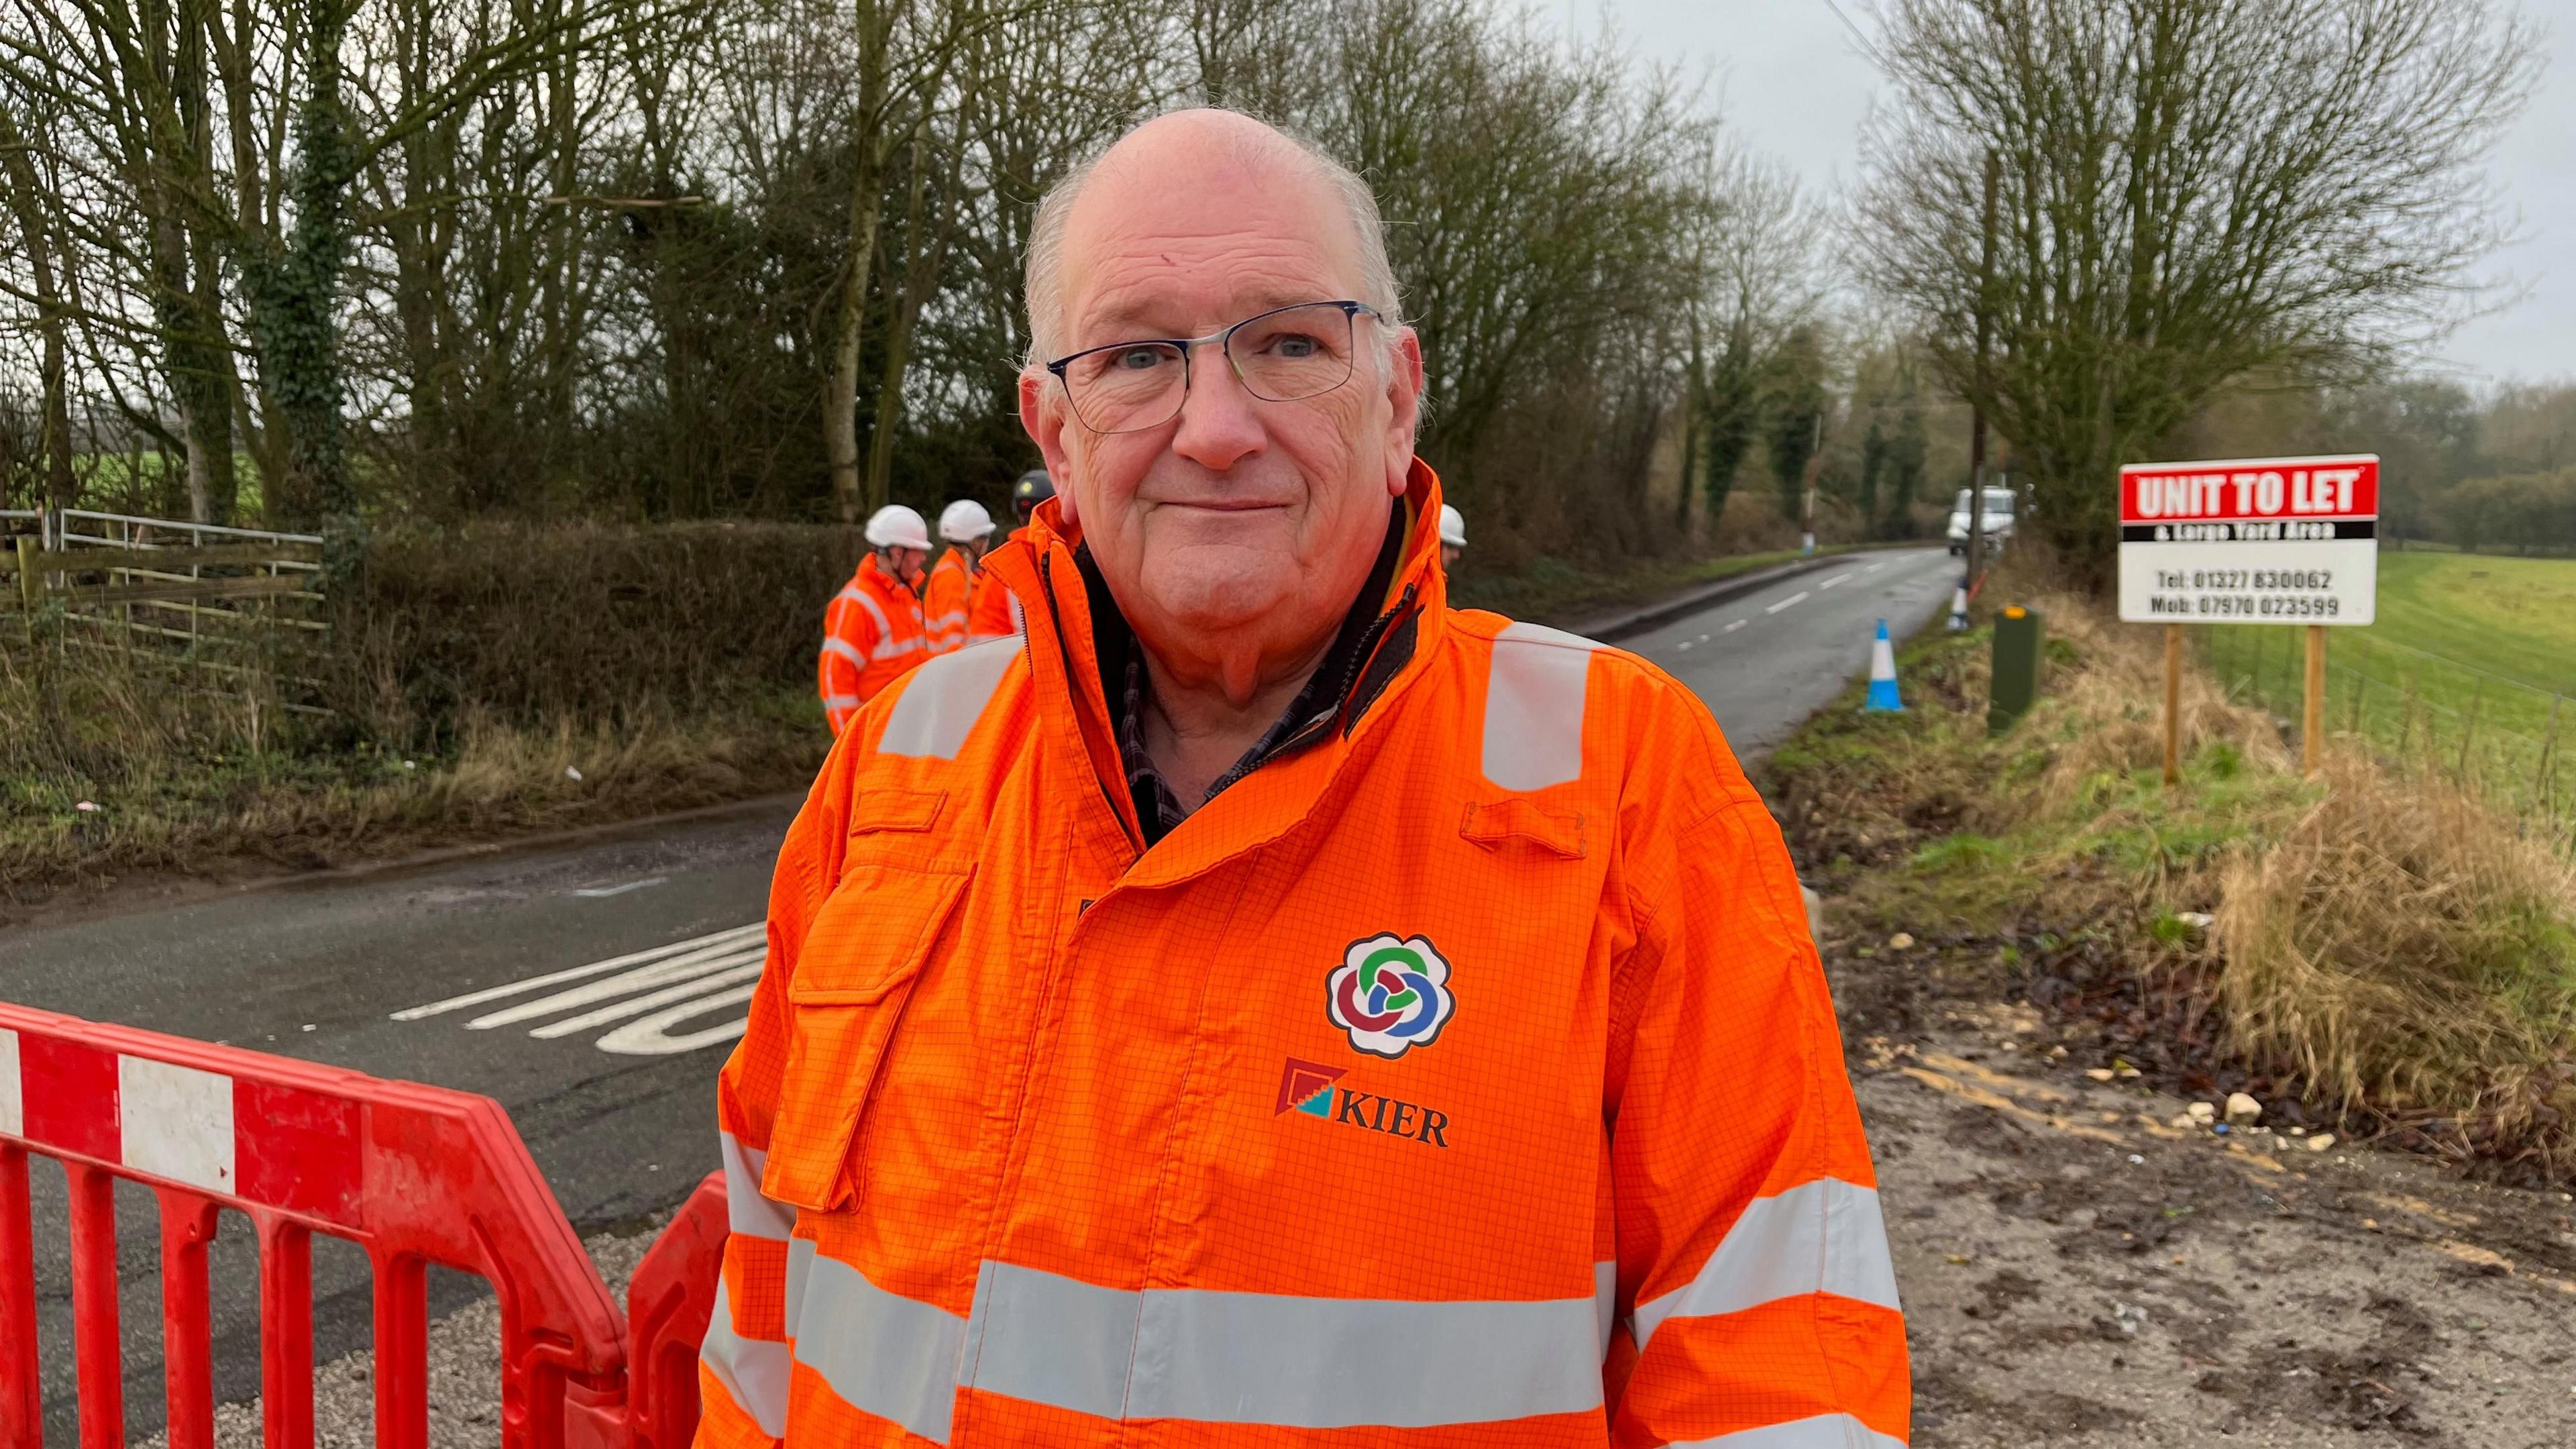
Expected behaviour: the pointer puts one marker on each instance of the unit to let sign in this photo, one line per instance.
(2250, 541)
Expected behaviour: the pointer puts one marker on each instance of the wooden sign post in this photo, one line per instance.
(2173, 704)
(2312, 708)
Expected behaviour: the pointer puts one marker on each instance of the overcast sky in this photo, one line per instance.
(1788, 76)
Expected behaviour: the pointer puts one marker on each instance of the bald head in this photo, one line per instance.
(1236, 531)
(1191, 160)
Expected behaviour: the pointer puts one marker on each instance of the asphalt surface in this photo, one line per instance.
(1767, 660)
(592, 989)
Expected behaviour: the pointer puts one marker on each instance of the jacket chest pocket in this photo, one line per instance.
(863, 957)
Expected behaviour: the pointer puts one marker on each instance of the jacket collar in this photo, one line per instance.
(885, 584)
(1042, 565)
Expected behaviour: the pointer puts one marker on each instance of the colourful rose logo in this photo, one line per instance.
(1391, 995)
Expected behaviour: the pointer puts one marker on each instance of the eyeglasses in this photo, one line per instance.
(1287, 354)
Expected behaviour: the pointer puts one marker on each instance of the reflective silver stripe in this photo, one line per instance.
(1824, 1236)
(753, 1370)
(746, 1211)
(1050, 1339)
(1824, 1431)
(834, 644)
(1262, 1358)
(800, 1271)
(942, 700)
(1534, 707)
(880, 1352)
(1605, 1301)
(842, 701)
(860, 597)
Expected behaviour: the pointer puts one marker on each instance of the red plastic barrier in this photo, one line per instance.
(415, 1175)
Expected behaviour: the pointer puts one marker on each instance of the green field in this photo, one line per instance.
(2465, 671)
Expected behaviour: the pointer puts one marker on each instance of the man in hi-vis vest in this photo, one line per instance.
(1263, 1005)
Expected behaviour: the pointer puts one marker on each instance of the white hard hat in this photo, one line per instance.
(895, 526)
(1453, 527)
(964, 521)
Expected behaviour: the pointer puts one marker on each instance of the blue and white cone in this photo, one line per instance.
(1882, 673)
(1959, 606)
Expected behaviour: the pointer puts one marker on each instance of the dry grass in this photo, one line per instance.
(2401, 947)
(2382, 946)
(502, 680)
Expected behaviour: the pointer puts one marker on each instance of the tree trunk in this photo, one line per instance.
(54, 442)
(868, 155)
(928, 254)
(841, 386)
(294, 291)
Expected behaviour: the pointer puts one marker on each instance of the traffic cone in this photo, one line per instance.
(1959, 605)
(1882, 674)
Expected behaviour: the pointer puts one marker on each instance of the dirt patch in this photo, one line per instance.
(2076, 1269)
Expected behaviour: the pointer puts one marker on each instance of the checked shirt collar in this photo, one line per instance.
(1158, 806)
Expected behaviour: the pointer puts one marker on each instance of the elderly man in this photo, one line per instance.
(1264, 1005)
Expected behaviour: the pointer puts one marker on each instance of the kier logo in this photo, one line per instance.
(1310, 1088)
(1307, 1087)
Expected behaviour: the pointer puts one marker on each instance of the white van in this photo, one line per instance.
(1998, 520)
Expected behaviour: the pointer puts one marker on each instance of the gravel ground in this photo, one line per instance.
(2078, 1269)
(464, 1371)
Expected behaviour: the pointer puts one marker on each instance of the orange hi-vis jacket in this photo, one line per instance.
(992, 610)
(943, 602)
(1461, 1075)
(872, 634)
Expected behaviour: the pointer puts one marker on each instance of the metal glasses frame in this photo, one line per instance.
(1223, 337)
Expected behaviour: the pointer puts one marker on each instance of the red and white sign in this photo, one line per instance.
(2250, 541)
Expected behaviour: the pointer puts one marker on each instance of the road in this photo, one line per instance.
(592, 989)
(1768, 660)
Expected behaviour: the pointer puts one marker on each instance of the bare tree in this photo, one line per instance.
(2190, 190)
(1752, 244)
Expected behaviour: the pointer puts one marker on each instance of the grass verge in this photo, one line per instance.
(2378, 945)
(107, 772)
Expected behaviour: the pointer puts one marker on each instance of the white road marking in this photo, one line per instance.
(1685, 644)
(710, 975)
(1784, 603)
(495, 993)
(1839, 578)
(597, 893)
(1874, 568)
(1738, 624)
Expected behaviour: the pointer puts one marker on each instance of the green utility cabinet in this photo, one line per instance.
(2016, 671)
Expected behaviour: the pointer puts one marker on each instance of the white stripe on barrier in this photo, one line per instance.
(13, 1102)
(1824, 1431)
(1825, 1236)
(177, 1122)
